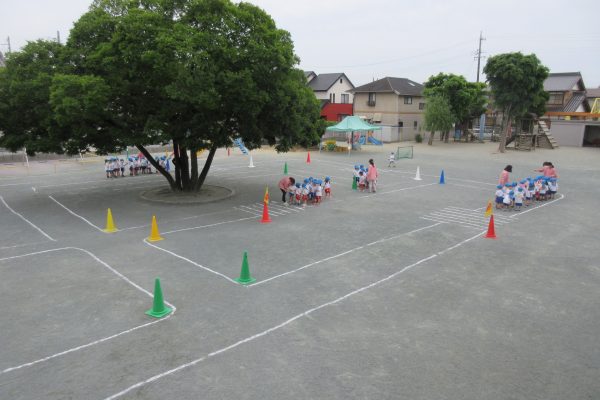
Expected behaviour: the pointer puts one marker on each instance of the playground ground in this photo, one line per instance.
(393, 295)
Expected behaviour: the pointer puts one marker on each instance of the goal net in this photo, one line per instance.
(404, 152)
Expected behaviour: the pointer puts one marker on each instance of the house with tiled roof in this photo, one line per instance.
(593, 97)
(398, 103)
(332, 89)
(566, 92)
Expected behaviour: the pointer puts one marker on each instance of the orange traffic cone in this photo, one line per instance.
(308, 158)
(491, 233)
(265, 217)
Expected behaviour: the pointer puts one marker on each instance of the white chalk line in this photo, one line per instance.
(451, 222)
(473, 215)
(26, 220)
(74, 214)
(476, 212)
(402, 234)
(467, 218)
(396, 190)
(452, 219)
(111, 181)
(208, 225)
(255, 213)
(460, 244)
(21, 245)
(177, 219)
(467, 186)
(74, 349)
(412, 173)
(562, 196)
(270, 330)
(191, 262)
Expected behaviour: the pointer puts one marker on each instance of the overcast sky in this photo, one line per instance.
(371, 39)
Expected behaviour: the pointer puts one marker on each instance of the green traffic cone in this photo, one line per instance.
(354, 186)
(245, 277)
(285, 171)
(159, 309)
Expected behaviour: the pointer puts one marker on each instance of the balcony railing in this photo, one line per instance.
(371, 103)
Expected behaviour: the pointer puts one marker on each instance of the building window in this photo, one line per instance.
(340, 80)
(415, 125)
(332, 97)
(371, 101)
(400, 124)
(345, 98)
(407, 99)
(421, 106)
(556, 98)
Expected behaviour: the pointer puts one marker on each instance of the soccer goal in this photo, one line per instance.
(404, 152)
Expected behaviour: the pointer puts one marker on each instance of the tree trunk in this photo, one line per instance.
(184, 169)
(194, 165)
(446, 136)
(156, 165)
(431, 134)
(504, 132)
(176, 165)
(204, 173)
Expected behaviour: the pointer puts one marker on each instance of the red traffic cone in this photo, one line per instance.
(491, 233)
(265, 217)
(308, 158)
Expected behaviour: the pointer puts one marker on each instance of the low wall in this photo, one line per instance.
(570, 133)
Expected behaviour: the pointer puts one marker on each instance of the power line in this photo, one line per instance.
(395, 59)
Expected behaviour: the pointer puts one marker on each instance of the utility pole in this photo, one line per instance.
(7, 43)
(58, 37)
(478, 54)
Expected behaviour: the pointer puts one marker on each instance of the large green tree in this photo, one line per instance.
(26, 117)
(196, 73)
(517, 84)
(466, 99)
(438, 116)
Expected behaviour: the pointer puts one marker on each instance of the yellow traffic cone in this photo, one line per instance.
(154, 235)
(110, 225)
(489, 210)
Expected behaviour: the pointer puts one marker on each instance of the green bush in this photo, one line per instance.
(418, 138)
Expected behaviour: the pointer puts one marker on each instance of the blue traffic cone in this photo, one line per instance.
(442, 181)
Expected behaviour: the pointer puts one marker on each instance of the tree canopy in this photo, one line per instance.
(465, 99)
(195, 72)
(517, 84)
(438, 115)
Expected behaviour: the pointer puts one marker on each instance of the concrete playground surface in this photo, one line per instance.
(391, 295)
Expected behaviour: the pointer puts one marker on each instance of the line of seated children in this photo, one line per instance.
(310, 191)
(114, 167)
(137, 165)
(514, 195)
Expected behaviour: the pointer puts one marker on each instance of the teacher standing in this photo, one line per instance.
(372, 175)
(505, 175)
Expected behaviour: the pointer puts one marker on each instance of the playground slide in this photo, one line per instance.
(372, 140)
(240, 144)
(361, 141)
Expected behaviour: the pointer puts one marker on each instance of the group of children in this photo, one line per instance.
(309, 192)
(360, 176)
(115, 167)
(514, 195)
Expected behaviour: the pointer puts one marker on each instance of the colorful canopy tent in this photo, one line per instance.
(351, 124)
